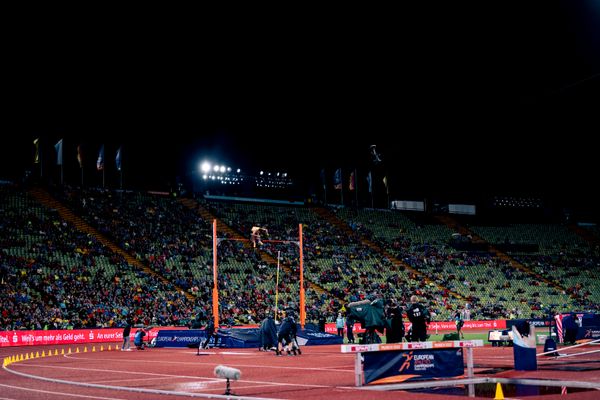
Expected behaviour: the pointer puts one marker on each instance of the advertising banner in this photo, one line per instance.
(180, 338)
(403, 366)
(436, 325)
(75, 336)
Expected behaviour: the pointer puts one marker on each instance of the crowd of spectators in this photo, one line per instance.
(78, 282)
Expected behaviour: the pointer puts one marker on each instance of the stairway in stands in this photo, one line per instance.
(65, 213)
(344, 227)
(234, 234)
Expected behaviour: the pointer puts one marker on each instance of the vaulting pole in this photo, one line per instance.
(215, 292)
(302, 303)
(277, 286)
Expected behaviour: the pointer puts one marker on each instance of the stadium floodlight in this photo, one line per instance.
(216, 168)
(205, 166)
(222, 168)
(239, 170)
(204, 176)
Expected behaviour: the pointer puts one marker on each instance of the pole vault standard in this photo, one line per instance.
(215, 291)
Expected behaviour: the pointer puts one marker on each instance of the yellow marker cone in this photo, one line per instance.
(109, 347)
(499, 393)
(69, 352)
(62, 351)
(55, 352)
(93, 349)
(31, 356)
(37, 354)
(77, 350)
(43, 353)
(101, 348)
(26, 356)
(85, 349)
(21, 358)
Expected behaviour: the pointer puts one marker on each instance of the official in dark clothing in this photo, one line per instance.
(418, 315)
(571, 328)
(268, 333)
(126, 340)
(322, 322)
(395, 327)
(287, 331)
(210, 332)
(350, 327)
(138, 339)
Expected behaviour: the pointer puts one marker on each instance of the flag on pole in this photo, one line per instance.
(59, 152)
(385, 182)
(370, 181)
(100, 162)
(559, 328)
(36, 158)
(323, 180)
(118, 159)
(337, 179)
(80, 156)
(351, 185)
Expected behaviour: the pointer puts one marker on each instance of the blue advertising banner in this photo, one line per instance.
(237, 338)
(307, 337)
(402, 366)
(179, 338)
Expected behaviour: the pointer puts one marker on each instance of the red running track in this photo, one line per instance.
(321, 372)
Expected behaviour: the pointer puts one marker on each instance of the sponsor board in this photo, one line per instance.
(55, 337)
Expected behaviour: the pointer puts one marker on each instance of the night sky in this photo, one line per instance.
(456, 100)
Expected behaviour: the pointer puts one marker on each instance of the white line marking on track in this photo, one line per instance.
(130, 379)
(61, 393)
(327, 369)
(124, 372)
(134, 389)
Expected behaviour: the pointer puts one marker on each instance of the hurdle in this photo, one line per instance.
(358, 349)
(572, 347)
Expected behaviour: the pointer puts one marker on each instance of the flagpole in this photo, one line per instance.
(372, 200)
(370, 179)
(118, 164)
(59, 158)
(356, 186)
(342, 188)
(324, 187)
(387, 190)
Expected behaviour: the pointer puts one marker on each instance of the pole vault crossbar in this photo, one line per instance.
(215, 292)
(219, 240)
